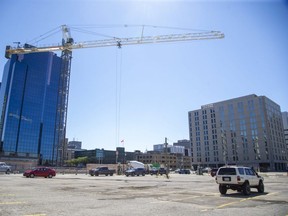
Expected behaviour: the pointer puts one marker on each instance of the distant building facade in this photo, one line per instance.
(172, 160)
(70, 149)
(174, 149)
(160, 148)
(102, 156)
(285, 125)
(186, 144)
(243, 131)
(28, 107)
(74, 145)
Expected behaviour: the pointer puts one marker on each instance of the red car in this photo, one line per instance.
(40, 171)
(213, 172)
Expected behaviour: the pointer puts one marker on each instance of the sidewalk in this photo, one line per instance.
(273, 174)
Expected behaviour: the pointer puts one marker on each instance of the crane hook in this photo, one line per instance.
(119, 45)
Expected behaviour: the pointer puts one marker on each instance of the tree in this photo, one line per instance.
(77, 161)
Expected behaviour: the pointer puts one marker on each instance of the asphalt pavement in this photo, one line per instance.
(70, 194)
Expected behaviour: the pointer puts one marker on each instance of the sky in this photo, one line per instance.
(143, 93)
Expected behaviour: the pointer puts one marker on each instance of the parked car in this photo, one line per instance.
(239, 178)
(160, 171)
(184, 171)
(102, 171)
(5, 168)
(206, 170)
(135, 171)
(41, 172)
(213, 172)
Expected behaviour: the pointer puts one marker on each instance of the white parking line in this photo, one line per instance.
(3, 195)
(35, 215)
(12, 203)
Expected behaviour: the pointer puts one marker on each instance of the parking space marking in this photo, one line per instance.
(35, 215)
(160, 201)
(231, 203)
(12, 203)
(204, 210)
(226, 204)
(272, 193)
(243, 200)
(2, 195)
(187, 198)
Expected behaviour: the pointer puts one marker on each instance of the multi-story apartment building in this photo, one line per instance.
(243, 131)
(29, 108)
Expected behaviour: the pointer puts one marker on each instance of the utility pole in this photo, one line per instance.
(166, 154)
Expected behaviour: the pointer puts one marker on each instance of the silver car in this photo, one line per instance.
(5, 168)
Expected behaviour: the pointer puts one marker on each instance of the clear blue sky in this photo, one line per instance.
(160, 83)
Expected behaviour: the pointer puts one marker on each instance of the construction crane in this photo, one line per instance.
(68, 45)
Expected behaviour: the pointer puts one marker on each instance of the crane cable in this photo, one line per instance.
(118, 88)
(44, 36)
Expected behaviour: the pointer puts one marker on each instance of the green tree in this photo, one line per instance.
(76, 161)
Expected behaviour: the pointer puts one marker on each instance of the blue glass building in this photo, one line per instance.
(29, 99)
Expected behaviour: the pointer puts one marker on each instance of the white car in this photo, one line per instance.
(238, 178)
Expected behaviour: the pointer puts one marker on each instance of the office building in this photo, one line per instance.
(186, 144)
(285, 125)
(74, 145)
(30, 108)
(171, 149)
(243, 131)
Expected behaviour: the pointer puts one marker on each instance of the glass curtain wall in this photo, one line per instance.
(29, 106)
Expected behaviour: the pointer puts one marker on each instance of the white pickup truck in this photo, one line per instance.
(5, 168)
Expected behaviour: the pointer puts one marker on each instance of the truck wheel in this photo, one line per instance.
(260, 187)
(222, 189)
(246, 188)
(8, 171)
(111, 174)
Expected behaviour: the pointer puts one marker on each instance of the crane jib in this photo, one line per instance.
(118, 42)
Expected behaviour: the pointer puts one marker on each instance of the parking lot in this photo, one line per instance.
(81, 194)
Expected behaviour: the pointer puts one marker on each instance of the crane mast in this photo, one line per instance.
(66, 48)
